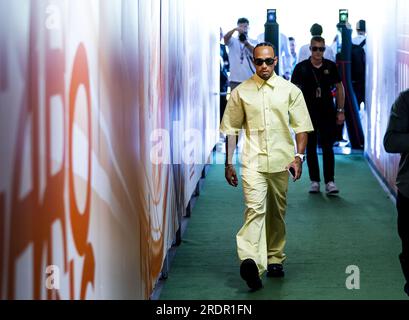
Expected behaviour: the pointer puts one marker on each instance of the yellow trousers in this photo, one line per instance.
(262, 237)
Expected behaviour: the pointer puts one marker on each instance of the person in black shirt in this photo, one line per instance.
(396, 140)
(317, 77)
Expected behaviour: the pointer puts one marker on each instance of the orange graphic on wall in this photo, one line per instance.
(33, 215)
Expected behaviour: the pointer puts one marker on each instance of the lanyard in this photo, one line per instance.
(318, 90)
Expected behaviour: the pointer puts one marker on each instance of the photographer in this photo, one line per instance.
(240, 53)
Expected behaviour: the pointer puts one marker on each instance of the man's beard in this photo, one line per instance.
(265, 76)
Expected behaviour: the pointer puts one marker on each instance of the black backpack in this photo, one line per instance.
(358, 62)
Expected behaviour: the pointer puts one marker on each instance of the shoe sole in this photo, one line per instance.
(332, 192)
(249, 273)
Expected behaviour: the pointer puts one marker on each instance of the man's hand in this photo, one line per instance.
(340, 118)
(240, 29)
(230, 175)
(297, 166)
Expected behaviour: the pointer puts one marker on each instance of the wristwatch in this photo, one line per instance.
(340, 110)
(301, 156)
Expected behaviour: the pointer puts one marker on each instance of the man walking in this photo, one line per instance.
(265, 106)
(317, 77)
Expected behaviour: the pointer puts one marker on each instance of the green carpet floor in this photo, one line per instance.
(324, 236)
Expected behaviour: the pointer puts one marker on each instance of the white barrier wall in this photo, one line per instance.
(92, 93)
(387, 76)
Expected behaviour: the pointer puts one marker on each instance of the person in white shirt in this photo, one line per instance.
(294, 57)
(361, 34)
(305, 53)
(240, 53)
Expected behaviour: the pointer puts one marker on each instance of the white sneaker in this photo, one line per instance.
(315, 187)
(331, 188)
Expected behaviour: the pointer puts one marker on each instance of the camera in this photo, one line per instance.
(242, 37)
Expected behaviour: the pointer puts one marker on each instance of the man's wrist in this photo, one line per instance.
(300, 157)
(340, 110)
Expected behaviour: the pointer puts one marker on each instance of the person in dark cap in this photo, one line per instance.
(358, 61)
(305, 53)
(361, 33)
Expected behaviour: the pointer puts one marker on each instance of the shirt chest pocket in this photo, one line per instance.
(254, 112)
(327, 80)
(266, 111)
(276, 114)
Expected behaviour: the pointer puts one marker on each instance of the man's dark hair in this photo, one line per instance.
(318, 39)
(316, 29)
(291, 39)
(243, 20)
(265, 44)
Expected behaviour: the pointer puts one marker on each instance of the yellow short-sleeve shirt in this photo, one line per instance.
(266, 110)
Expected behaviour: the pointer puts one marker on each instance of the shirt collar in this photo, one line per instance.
(260, 82)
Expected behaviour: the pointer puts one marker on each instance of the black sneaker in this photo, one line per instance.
(275, 270)
(249, 273)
